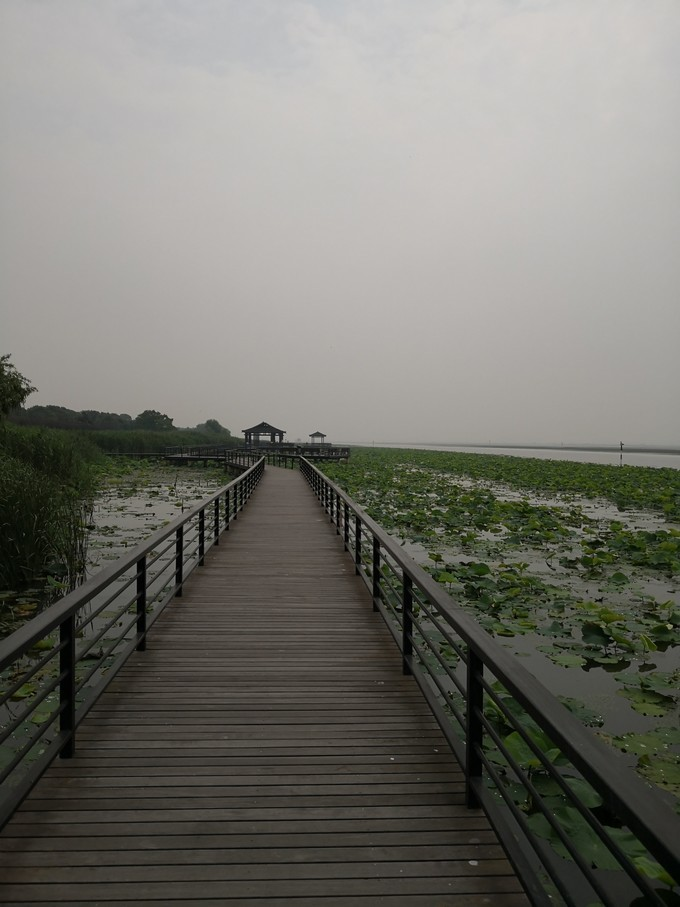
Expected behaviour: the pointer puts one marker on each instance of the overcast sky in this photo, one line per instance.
(406, 220)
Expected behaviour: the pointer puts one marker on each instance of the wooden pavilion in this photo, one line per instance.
(317, 437)
(254, 435)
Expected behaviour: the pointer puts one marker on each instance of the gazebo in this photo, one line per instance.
(317, 437)
(253, 435)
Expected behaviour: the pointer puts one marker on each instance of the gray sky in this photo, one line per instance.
(381, 219)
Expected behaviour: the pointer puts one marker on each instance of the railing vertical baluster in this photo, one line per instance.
(407, 624)
(376, 572)
(67, 684)
(201, 537)
(141, 603)
(216, 521)
(227, 509)
(357, 544)
(337, 513)
(179, 560)
(474, 730)
(346, 527)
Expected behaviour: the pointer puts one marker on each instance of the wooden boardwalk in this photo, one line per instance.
(264, 750)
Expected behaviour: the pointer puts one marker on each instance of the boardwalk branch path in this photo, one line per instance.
(264, 750)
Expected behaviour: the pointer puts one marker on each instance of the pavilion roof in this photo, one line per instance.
(263, 428)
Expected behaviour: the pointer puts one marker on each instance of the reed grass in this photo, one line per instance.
(47, 481)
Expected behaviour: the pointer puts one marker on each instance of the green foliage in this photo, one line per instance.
(148, 442)
(14, 388)
(46, 480)
(563, 810)
(212, 427)
(152, 420)
(60, 417)
(627, 487)
(533, 548)
(149, 432)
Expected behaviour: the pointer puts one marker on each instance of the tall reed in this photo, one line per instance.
(46, 486)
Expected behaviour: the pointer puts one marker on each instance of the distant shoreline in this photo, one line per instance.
(671, 451)
(586, 448)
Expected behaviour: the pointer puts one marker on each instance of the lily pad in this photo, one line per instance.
(647, 702)
(663, 769)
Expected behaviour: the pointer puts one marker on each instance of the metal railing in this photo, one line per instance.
(237, 457)
(579, 825)
(55, 667)
(285, 455)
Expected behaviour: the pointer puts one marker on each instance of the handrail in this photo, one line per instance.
(56, 666)
(561, 803)
(284, 450)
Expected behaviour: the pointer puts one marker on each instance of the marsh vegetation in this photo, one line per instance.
(573, 566)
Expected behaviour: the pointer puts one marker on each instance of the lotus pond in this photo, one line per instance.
(573, 566)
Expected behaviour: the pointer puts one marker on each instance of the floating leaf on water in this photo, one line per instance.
(568, 660)
(654, 870)
(647, 702)
(41, 715)
(594, 635)
(28, 689)
(663, 770)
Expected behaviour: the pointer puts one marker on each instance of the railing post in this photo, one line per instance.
(201, 537)
(141, 603)
(407, 624)
(179, 560)
(216, 521)
(474, 730)
(357, 544)
(346, 527)
(337, 513)
(227, 509)
(67, 684)
(376, 572)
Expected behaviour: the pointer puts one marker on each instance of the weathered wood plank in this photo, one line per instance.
(465, 899)
(266, 748)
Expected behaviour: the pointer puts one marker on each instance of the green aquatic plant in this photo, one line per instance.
(46, 485)
(535, 552)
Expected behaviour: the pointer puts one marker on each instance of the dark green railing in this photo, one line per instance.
(56, 666)
(579, 825)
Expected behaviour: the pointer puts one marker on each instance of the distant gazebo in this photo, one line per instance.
(264, 429)
(317, 437)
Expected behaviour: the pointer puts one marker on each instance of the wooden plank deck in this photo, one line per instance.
(265, 750)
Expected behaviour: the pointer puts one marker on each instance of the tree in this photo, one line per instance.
(14, 388)
(152, 420)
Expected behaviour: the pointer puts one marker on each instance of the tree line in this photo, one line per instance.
(15, 388)
(93, 420)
